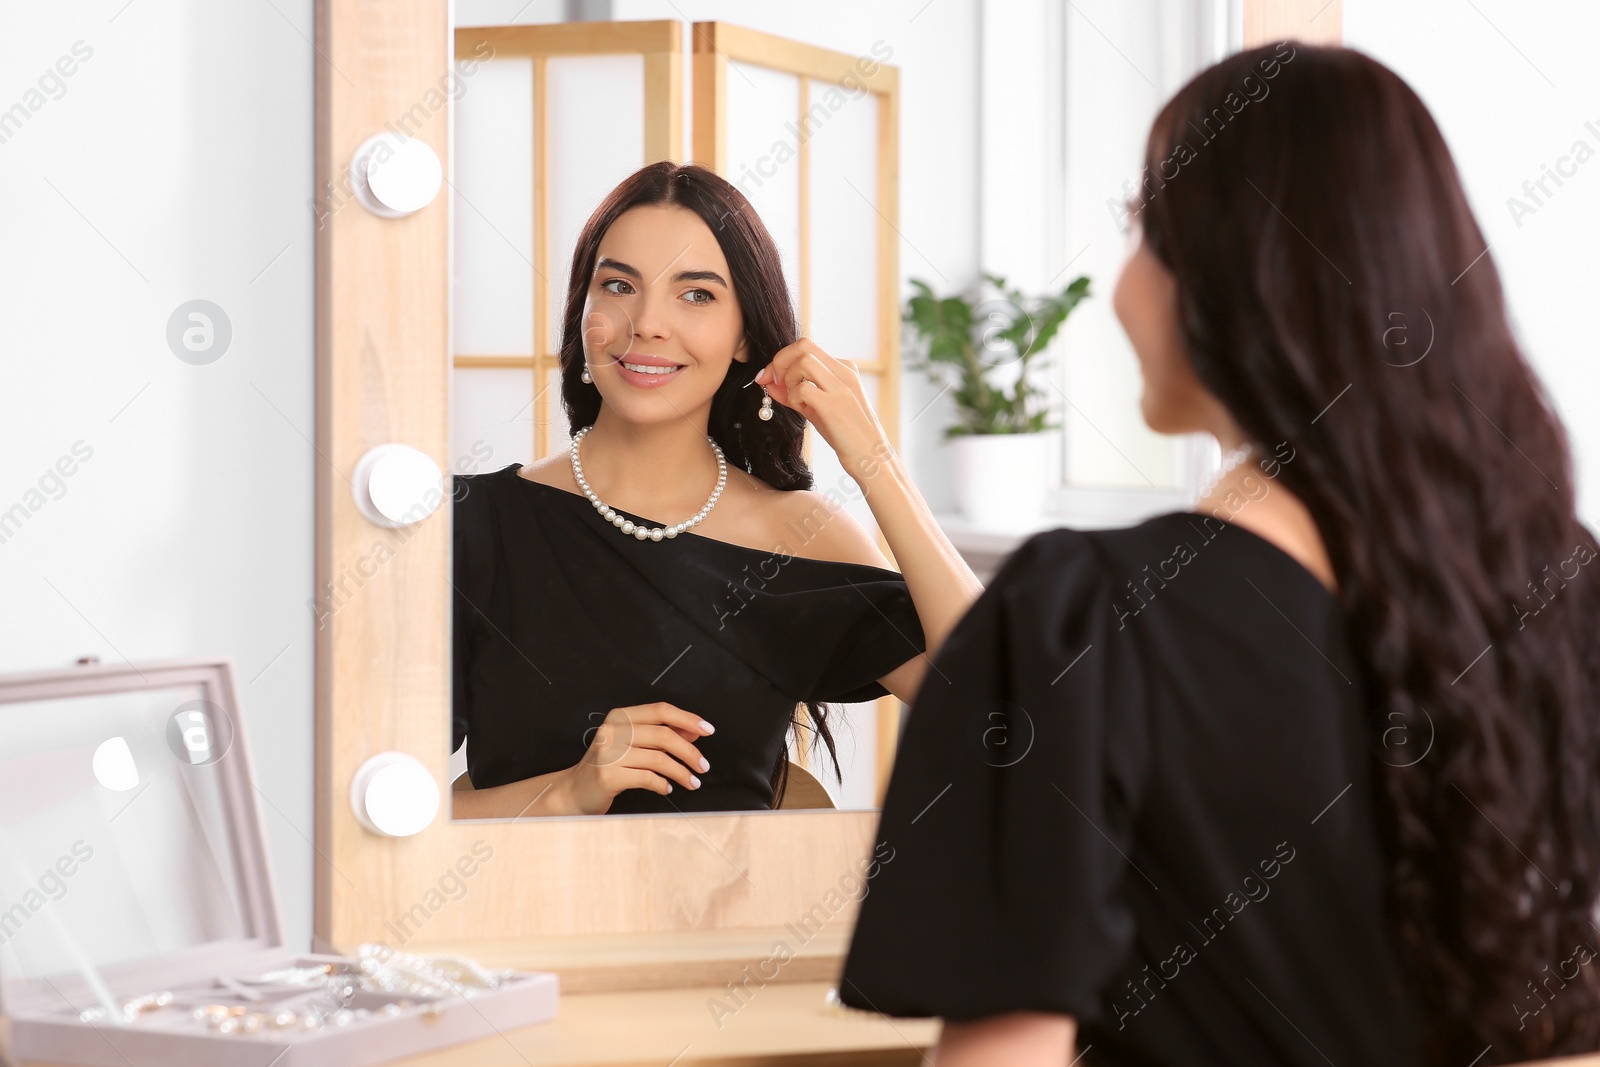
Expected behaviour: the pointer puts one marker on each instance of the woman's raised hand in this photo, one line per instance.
(827, 391)
(642, 746)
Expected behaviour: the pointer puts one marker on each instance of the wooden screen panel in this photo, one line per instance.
(576, 138)
(1314, 21)
(818, 104)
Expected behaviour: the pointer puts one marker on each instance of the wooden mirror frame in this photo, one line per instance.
(609, 903)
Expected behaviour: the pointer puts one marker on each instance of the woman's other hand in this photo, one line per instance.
(642, 746)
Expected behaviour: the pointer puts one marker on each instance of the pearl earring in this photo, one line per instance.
(587, 378)
(766, 405)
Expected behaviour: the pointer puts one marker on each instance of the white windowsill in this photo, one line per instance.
(1078, 507)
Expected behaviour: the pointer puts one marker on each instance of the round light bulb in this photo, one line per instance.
(393, 176)
(394, 795)
(407, 180)
(396, 485)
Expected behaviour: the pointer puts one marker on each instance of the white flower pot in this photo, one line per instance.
(1000, 477)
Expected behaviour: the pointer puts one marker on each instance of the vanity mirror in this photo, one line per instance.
(546, 120)
(442, 330)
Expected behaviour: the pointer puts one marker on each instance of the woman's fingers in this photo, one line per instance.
(637, 779)
(668, 740)
(809, 365)
(828, 392)
(650, 746)
(776, 377)
(806, 378)
(803, 362)
(670, 715)
(650, 759)
(804, 351)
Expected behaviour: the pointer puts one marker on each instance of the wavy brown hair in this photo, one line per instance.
(769, 449)
(1334, 291)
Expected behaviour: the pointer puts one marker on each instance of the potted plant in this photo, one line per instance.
(984, 352)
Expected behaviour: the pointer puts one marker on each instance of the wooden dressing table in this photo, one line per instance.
(785, 1023)
(605, 1018)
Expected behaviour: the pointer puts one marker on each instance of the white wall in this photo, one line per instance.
(1514, 84)
(173, 164)
(1123, 59)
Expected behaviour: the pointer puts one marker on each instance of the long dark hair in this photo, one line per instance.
(1334, 292)
(768, 449)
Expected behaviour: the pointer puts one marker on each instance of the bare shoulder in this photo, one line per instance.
(804, 522)
(554, 469)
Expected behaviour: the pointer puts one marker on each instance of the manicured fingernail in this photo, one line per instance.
(705, 764)
(694, 781)
(707, 727)
(669, 787)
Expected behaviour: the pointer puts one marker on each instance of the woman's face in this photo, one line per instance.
(1146, 302)
(661, 296)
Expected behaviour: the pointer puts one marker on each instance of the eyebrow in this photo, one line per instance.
(700, 276)
(620, 268)
(681, 276)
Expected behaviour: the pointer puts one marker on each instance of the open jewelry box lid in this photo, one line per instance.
(132, 849)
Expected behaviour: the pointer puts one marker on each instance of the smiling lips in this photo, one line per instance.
(646, 372)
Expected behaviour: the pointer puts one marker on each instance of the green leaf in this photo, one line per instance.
(946, 334)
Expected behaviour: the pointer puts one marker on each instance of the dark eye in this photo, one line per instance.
(609, 282)
(699, 296)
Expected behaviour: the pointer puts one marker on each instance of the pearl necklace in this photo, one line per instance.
(1229, 462)
(627, 525)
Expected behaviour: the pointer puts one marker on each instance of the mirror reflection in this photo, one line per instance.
(666, 616)
(691, 571)
(705, 580)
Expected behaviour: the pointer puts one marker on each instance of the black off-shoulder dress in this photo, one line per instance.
(1139, 786)
(559, 617)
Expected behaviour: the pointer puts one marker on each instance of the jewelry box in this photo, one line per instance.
(138, 921)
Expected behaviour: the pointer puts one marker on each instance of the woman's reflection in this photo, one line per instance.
(639, 621)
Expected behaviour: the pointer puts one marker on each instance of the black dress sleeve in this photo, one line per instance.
(1007, 826)
(880, 632)
(472, 579)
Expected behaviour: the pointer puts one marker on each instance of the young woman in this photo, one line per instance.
(1308, 775)
(638, 619)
